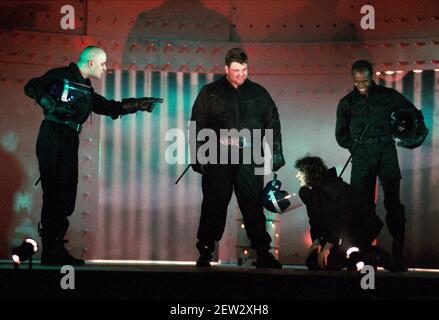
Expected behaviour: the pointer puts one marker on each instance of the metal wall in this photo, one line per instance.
(301, 51)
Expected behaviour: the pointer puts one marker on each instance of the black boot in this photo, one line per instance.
(206, 249)
(398, 257)
(266, 260)
(377, 257)
(54, 253)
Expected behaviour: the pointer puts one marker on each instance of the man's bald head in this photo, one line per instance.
(92, 62)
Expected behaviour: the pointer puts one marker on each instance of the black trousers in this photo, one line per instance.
(218, 183)
(57, 153)
(377, 157)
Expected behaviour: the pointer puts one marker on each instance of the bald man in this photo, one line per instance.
(58, 141)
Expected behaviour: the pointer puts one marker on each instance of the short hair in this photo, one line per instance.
(89, 52)
(236, 55)
(362, 66)
(313, 168)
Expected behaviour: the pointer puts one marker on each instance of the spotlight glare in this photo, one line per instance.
(16, 259)
(24, 251)
(33, 243)
(360, 265)
(350, 251)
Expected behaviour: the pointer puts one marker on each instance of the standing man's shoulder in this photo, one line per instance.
(385, 90)
(396, 98)
(213, 86)
(61, 71)
(349, 98)
(256, 87)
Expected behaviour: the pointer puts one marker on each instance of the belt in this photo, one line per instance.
(238, 142)
(73, 125)
(377, 139)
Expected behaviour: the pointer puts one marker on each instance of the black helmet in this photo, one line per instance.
(407, 127)
(276, 200)
(68, 91)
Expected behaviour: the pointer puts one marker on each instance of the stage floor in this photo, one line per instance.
(173, 281)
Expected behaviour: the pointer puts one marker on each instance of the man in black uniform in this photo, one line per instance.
(339, 218)
(234, 102)
(58, 142)
(365, 113)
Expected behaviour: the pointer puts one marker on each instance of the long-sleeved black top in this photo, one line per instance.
(337, 214)
(38, 87)
(221, 106)
(355, 111)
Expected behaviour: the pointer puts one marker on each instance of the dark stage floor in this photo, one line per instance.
(161, 281)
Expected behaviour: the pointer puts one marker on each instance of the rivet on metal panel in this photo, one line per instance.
(133, 46)
(200, 25)
(217, 49)
(168, 47)
(386, 64)
(148, 23)
(200, 49)
(166, 24)
(200, 68)
(183, 68)
(167, 66)
(217, 69)
(216, 26)
(184, 49)
(151, 47)
(149, 67)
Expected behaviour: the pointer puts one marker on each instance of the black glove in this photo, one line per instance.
(199, 168)
(59, 109)
(132, 105)
(278, 157)
(278, 161)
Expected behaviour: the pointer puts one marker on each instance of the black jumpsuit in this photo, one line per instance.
(376, 155)
(57, 149)
(338, 215)
(220, 106)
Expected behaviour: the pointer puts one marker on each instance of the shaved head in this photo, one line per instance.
(90, 53)
(92, 62)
